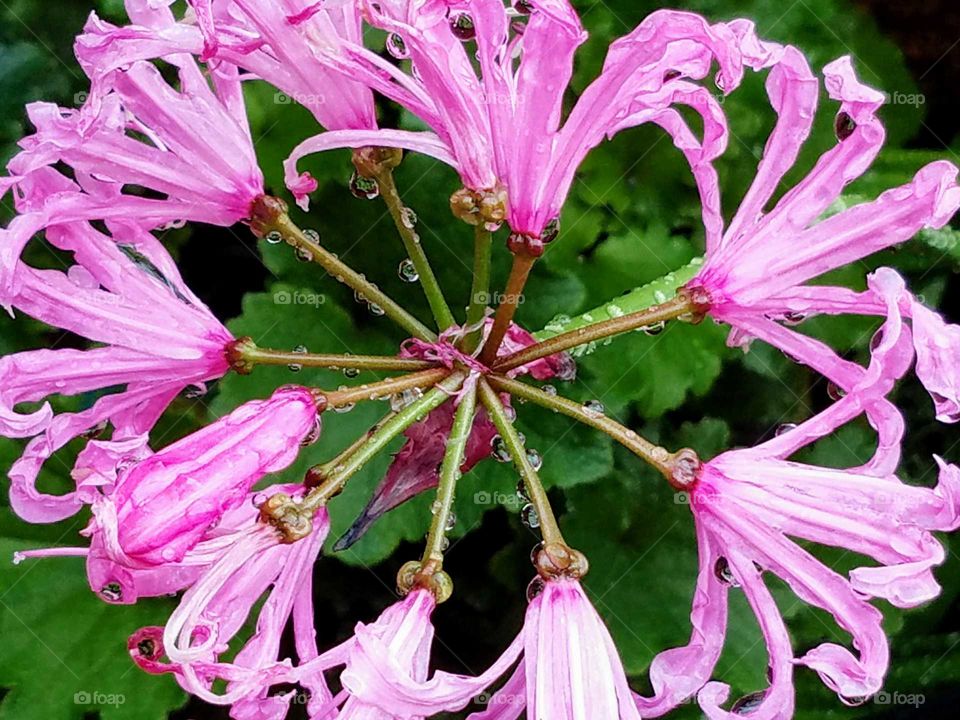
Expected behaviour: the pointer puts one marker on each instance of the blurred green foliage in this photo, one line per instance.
(632, 216)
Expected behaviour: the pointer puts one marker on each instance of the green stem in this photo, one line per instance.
(549, 529)
(679, 306)
(480, 290)
(294, 236)
(411, 241)
(378, 440)
(384, 388)
(641, 298)
(655, 455)
(385, 363)
(449, 474)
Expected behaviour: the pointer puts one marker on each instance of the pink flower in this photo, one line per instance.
(386, 667)
(160, 520)
(415, 468)
(191, 145)
(570, 667)
(755, 271)
(276, 41)
(748, 503)
(215, 609)
(153, 336)
(162, 506)
(502, 129)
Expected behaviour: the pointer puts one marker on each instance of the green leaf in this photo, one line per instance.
(65, 651)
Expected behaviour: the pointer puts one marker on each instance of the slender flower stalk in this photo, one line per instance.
(677, 307)
(406, 221)
(331, 485)
(549, 529)
(449, 474)
(480, 287)
(270, 216)
(658, 457)
(384, 388)
(244, 355)
(512, 298)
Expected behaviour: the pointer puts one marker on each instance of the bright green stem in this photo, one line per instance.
(294, 236)
(411, 241)
(449, 475)
(549, 529)
(653, 293)
(378, 440)
(480, 290)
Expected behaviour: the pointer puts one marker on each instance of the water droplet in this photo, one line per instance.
(551, 231)
(402, 399)
(96, 431)
(376, 310)
(351, 372)
(499, 450)
(748, 703)
(451, 521)
(654, 329)
(522, 492)
(793, 318)
(314, 433)
(615, 311)
(298, 350)
(535, 588)
(112, 592)
(785, 428)
(524, 7)
(853, 701)
(303, 254)
(397, 47)
(409, 218)
(273, 237)
(462, 27)
(534, 458)
(835, 392)
(529, 516)
(593, 408)
(549, 390)
(312, 235)
(344, 408)
(364, 188)
(877, 340)
(408, 271)
(259, 499)
(509, 412)
(844, 126)
(195, 392)
(723, 573)
(444, 544)
(436, 507)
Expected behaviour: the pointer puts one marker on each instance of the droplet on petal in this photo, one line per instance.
(723, 573)
(462, 27)
(785, 428)
(534, 588)
(844, 126)
(835, 392)
(112, 592)
(397, 47)
(748, 703)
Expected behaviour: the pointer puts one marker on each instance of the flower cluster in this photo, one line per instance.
(163, 139)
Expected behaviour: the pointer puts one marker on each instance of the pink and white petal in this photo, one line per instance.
(777, 701)
(679, 673)
(509, 701)
(938, 361)
(793, 89)
(300, 184)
